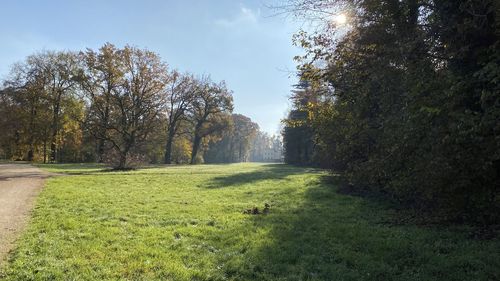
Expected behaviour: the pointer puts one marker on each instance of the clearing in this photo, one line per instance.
(189, 223)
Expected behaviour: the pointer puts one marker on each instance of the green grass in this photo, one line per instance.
(187, 223)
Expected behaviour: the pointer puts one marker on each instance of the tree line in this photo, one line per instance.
(122, 106)
(403, 100)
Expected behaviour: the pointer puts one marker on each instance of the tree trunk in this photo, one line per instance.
(102, 142)
(44, 152)
(53, 143)
(53, 148)
(240, 153)
(196, 147)
(168, 146)
(31, 152)
(100, 151)
(122, 161)
(230, 157)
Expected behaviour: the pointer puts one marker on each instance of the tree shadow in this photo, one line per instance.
(33, 175)
(330, 236)
(298, 248)
(266, 172)
(297, 245)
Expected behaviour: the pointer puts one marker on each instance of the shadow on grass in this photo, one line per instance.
(330, 236)
(33, 175)
(267, 172)
(92, 168)
(303, 238)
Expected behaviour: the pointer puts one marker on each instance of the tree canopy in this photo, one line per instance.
(403, 99)
(123, 106)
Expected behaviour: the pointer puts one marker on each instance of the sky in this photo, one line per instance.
(240, 42)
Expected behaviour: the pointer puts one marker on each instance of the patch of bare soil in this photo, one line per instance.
(19, 186)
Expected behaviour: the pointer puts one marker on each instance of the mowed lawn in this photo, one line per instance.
(188, 223)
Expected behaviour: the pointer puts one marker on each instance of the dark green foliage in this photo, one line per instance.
(297, 135)
(298, 131)
(413, 103)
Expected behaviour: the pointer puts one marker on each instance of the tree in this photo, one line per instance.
(181, 152)
(60, 72)
(244, 133)
(409, 104)
(41, 88)
(180, 94)
(212, 101)
(102, 75)
(298, 133)
(236, 141)
(260, 144)
(23, 100)
(110, 105)
(135, 105)
(18, 134)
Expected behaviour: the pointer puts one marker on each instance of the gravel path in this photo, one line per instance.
(19, 186)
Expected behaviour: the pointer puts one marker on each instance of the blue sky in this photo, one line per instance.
(236, 41)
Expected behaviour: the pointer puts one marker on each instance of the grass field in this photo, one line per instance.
(188, 223)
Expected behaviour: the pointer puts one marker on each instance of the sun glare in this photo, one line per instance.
(341, 19)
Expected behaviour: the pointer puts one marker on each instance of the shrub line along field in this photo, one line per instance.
(192, 223)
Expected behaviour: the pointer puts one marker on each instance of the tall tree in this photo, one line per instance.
(236, 142)
(298, 132)
(135, 105)
(410, 102)
(212, 101)
(60, 70)
(102, 76)
(180, 94)
(26, 92)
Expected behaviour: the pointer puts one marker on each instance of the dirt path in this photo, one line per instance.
(19, 186)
